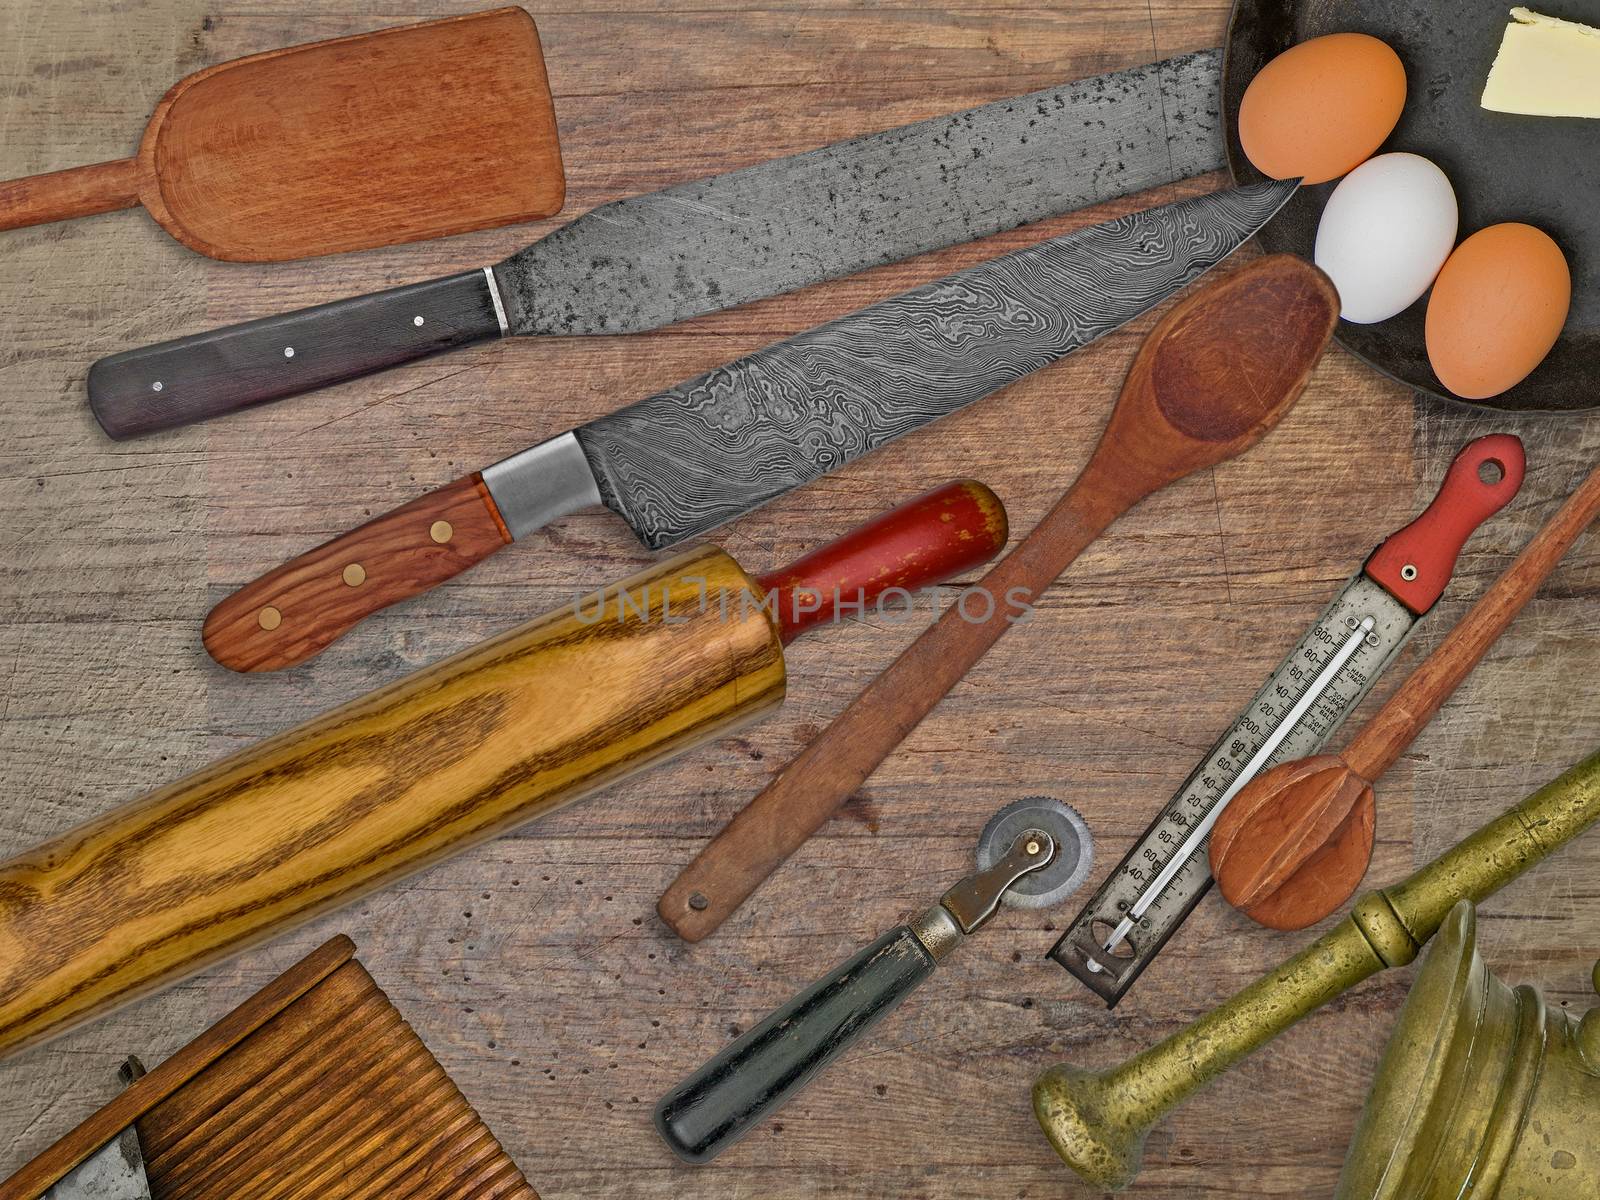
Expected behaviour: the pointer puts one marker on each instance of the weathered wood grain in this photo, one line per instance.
(559, 1005)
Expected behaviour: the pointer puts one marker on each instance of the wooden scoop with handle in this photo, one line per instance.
(457, 753)
(1295, 843)
(396, 136)
(1212, 378)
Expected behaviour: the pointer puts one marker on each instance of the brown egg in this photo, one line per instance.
(1496, 309)
(1322, 108)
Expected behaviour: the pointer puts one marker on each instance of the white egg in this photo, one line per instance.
(1386, 231)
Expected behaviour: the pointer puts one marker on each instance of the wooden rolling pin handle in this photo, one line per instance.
(295, 612)
(1415, 564)
(923, 542)
(75, 192)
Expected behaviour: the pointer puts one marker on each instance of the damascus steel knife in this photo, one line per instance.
(711, 244)
(682, 462)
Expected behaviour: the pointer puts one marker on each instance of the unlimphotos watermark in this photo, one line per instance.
(674, 604)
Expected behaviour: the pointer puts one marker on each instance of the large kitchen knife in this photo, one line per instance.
(686, 460)
(700, 247)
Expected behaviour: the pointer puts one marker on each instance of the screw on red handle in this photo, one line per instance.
(1415, 564)
(923, 542)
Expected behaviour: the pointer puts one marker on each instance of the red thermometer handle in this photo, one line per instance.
(1415, 564)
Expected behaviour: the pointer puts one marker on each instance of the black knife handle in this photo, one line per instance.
(761, 1070)
(224, 370)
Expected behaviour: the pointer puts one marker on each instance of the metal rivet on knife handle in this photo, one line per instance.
(336, 585)
(1180, 411)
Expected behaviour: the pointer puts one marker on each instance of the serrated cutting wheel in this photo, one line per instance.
(1066, 871)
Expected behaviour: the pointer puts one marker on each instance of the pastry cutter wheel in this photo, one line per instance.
(1032, 853)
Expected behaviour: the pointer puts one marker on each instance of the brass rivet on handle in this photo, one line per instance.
(355, 575)
(441, 531)
(269, 618)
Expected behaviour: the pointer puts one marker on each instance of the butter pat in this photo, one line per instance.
(1546, 68)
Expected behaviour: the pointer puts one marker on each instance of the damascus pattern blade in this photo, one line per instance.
(700, 247)
(685, 460)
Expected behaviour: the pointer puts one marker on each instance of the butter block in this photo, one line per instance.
(1546, 67)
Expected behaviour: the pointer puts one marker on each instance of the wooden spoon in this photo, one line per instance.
(395, 136)
(1212, 378)
(1295, 843)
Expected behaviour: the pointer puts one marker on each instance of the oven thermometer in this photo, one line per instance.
(1152, 890)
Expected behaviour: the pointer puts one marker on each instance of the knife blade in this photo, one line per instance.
(685, 460)
(650, 260)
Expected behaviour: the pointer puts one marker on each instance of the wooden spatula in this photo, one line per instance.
(1213, 377)
(1294, 844)
(395, 136)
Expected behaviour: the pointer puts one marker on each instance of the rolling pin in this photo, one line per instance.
(448, 757)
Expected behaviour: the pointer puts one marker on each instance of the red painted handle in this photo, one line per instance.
(1415, 564)
(923, 542)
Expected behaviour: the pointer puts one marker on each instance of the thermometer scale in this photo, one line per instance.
(1155, 887)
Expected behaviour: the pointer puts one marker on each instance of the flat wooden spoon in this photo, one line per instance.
(395, 136)
(1212, 378)
(1295, 843)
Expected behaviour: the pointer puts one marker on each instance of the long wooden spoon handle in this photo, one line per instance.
(808, 791)
(75, 192)
(1386, 736)
(298, 610)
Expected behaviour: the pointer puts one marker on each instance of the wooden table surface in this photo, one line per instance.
(535, 968)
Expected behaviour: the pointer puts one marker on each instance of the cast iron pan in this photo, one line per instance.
(1542, 170)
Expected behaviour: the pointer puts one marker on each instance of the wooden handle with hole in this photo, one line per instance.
(1294, 844)
(296, 611)
(75, 192)
(1414, 565)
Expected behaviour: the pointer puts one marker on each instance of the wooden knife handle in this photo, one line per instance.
(228, 369)
(75, 192)
(298, 610)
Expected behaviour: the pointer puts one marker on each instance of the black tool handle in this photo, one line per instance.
(224, 370)
(759, 1072)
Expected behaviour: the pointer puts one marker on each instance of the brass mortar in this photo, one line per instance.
(1483, 1090)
